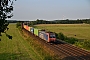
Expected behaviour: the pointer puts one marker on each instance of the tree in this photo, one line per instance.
(6, 8)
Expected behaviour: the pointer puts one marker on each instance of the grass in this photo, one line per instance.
(16, 48)
(80, 31)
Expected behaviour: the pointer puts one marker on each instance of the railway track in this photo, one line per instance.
(63, 50)
(72, 52)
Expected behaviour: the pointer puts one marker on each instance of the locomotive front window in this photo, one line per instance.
(52, 35)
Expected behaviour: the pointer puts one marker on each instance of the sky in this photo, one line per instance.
(51, 9)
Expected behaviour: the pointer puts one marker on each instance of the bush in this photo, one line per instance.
(83, 44)
(71, 40)
(61, 36)
(18, 24)
(56, 35)
(79, 44)
(87, 43)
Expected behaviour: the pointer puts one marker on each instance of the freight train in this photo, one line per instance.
(45, 35)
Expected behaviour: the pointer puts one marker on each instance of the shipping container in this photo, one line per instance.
(25, 26)
(29, 29)
(32, 30)
(36, 31)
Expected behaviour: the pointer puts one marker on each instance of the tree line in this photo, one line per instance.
(67, 21)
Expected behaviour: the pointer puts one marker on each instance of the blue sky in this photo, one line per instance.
(51, 9)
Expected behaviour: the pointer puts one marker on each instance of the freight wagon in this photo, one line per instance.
(27, 27)
(24, 26)
(36, 31)
(32, 30)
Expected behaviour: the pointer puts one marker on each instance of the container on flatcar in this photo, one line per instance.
(24, 26)
(32, 30)
(27, 28)
(36, 31)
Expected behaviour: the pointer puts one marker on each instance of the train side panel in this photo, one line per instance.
(24, 26)
(43, 35)
(32, 30)
(48, 36)
(36, 31)
(29, 29)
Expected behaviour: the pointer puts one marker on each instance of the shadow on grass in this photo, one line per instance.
(12, 56)
(9, 36)
(8, 56)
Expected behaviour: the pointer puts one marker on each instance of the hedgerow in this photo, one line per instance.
(83, 44)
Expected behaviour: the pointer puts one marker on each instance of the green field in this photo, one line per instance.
(17, 48)
(82, 31)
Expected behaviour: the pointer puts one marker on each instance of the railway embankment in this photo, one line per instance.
(61, 50)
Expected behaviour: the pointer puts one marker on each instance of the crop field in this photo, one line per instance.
(16, 48)
(80, 31)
